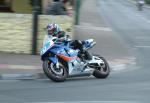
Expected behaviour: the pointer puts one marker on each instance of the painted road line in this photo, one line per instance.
(118, 67)
(95, 28)
(122, 64)
(8, 66)
(143, 18)
(16, 76)
(142, 46)
(23, 76)
(9, 81)
(91, 102)
(23, 67)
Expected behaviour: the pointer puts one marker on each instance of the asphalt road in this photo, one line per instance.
(130, 31)
(133, 27)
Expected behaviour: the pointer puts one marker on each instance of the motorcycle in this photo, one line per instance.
(61, 61)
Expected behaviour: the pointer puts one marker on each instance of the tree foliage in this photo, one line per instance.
(147, 1)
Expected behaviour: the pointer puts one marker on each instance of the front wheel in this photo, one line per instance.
(103, 70)
(54, 73)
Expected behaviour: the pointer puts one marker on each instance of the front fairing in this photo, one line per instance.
(63, 50)
(48, 43)
(55, 49)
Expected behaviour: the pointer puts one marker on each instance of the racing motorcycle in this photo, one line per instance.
(61, 61)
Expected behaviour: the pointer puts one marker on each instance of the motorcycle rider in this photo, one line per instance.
(54, 30)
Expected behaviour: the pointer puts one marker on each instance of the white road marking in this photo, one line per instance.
(91, 102)
(119, 67)
(122, 64)
(142, 46)
(9, 81)
(95, 28)
(141, 37)
(143, 18)
(24, 67)
(15, 76)
(85, 24)
(19, 66)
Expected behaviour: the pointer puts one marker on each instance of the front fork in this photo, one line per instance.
(57, 64)
(54, 60)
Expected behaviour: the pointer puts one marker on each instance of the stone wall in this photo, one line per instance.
(16, 31)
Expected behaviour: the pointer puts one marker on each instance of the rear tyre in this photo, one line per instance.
(53, 73)
(103, 70)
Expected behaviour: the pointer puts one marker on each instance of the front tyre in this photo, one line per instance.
(53, 73)
(103, 70)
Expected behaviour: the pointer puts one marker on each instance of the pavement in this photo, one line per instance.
(22, 66)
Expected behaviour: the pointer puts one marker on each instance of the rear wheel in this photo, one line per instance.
(56, 74)
(103, 70)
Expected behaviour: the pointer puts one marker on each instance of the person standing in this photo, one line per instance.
(57, 8)
(140, 4)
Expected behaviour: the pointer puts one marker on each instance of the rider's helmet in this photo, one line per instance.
(53, 29)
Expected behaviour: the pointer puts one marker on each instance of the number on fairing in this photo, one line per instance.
(47, 46)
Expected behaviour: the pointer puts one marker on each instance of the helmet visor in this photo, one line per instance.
(51, 32)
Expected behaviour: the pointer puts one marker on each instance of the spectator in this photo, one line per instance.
(140, 4)
(57, 8)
